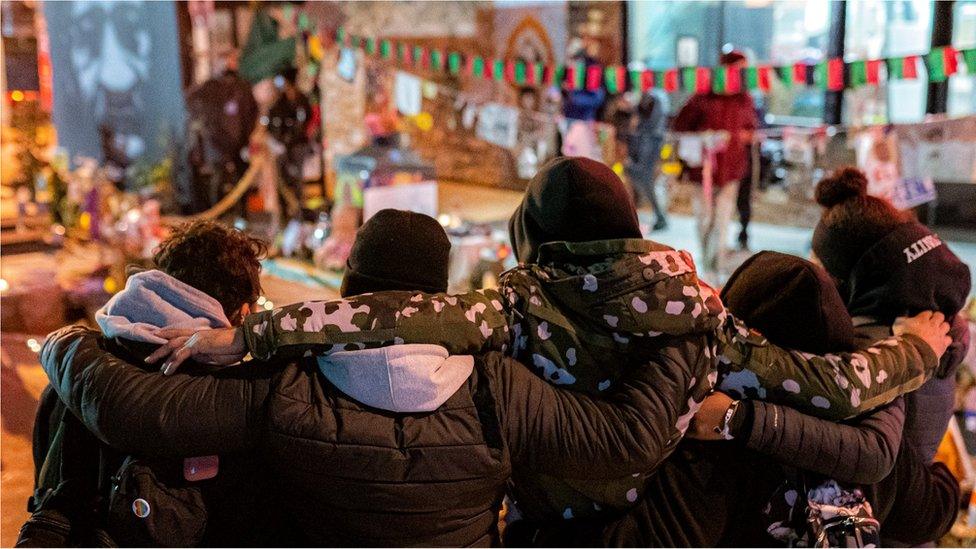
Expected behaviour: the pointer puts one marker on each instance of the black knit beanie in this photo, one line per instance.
(791, 301)
(398, 250)
(572, 199)
(852, 221)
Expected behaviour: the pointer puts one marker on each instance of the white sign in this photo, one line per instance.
(407, 93)
(498, 124)
(415, 197)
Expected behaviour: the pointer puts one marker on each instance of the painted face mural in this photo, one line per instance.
(110, 60)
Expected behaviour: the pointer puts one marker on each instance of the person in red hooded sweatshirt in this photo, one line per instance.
(735, 114)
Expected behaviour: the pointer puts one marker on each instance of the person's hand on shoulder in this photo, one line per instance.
(221, 346)
(929, 326)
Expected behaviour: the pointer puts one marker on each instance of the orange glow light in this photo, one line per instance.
(17, 96)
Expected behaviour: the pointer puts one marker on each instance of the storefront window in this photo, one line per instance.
(884, 28)
(665, 34)
(962, 86)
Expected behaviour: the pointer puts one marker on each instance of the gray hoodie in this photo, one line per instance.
(411, 378)
(152, 300)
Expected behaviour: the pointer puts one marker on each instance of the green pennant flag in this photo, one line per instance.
(370, 46)
(896, 66)
(718, 79)
(820, 75)
(752, 78)
(688, 79)
(859, 73)
(498, 69)
(540, 73)
(436, 60)
(418, 55)
(559, 75)
(478, 67)
(520, 73)
(785, 76)
(610, 78)
(385, 49)
(401, 52)
(969, 57)
(635, 81)
(937, 65)
(341, 36)
(454, 62)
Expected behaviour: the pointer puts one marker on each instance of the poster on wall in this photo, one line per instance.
(498, 124)
(117, 84)
(944, 151)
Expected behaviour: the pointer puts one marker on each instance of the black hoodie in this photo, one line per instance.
(909, 271)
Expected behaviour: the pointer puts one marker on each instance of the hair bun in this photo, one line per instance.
(843, 185)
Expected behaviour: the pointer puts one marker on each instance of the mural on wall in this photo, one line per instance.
(117, 92)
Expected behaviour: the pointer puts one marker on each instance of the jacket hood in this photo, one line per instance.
(908, 271)
(410, 378)
(152, 300)
(626, 286)
(572, 199)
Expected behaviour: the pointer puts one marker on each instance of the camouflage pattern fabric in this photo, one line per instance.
(581, 317)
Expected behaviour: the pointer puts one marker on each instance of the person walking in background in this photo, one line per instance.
(743, 201)
(715, 201)
(644, 152)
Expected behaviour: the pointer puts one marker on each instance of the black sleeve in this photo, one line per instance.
(145, 412)
(630, 430)
(862, 452)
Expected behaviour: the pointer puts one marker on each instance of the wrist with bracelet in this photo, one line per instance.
(736, 421)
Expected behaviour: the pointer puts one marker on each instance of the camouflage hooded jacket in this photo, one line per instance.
(581, 316)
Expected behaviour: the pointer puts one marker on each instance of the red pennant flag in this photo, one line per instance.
(594, 77)
(873, 66)
(530, 75)
(799, 73)
(703, 80)
(733, 80)
(646, 80)
(835, 74)
(909, 70)
(509, 70)
(671, 80)
(764, 80)
(547, 74)
(570, 79)
(621, 73)
(951, 62)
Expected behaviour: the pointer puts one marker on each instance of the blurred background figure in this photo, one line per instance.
(287, 125)
(223, 113)
(715, 201)
(644, 151)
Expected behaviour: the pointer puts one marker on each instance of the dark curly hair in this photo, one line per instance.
(220, 261)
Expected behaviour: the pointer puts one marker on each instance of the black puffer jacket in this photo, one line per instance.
(352, 475)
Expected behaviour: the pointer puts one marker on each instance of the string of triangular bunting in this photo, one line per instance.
(830, 74)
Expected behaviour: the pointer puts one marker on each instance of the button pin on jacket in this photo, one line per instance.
(141, 508)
